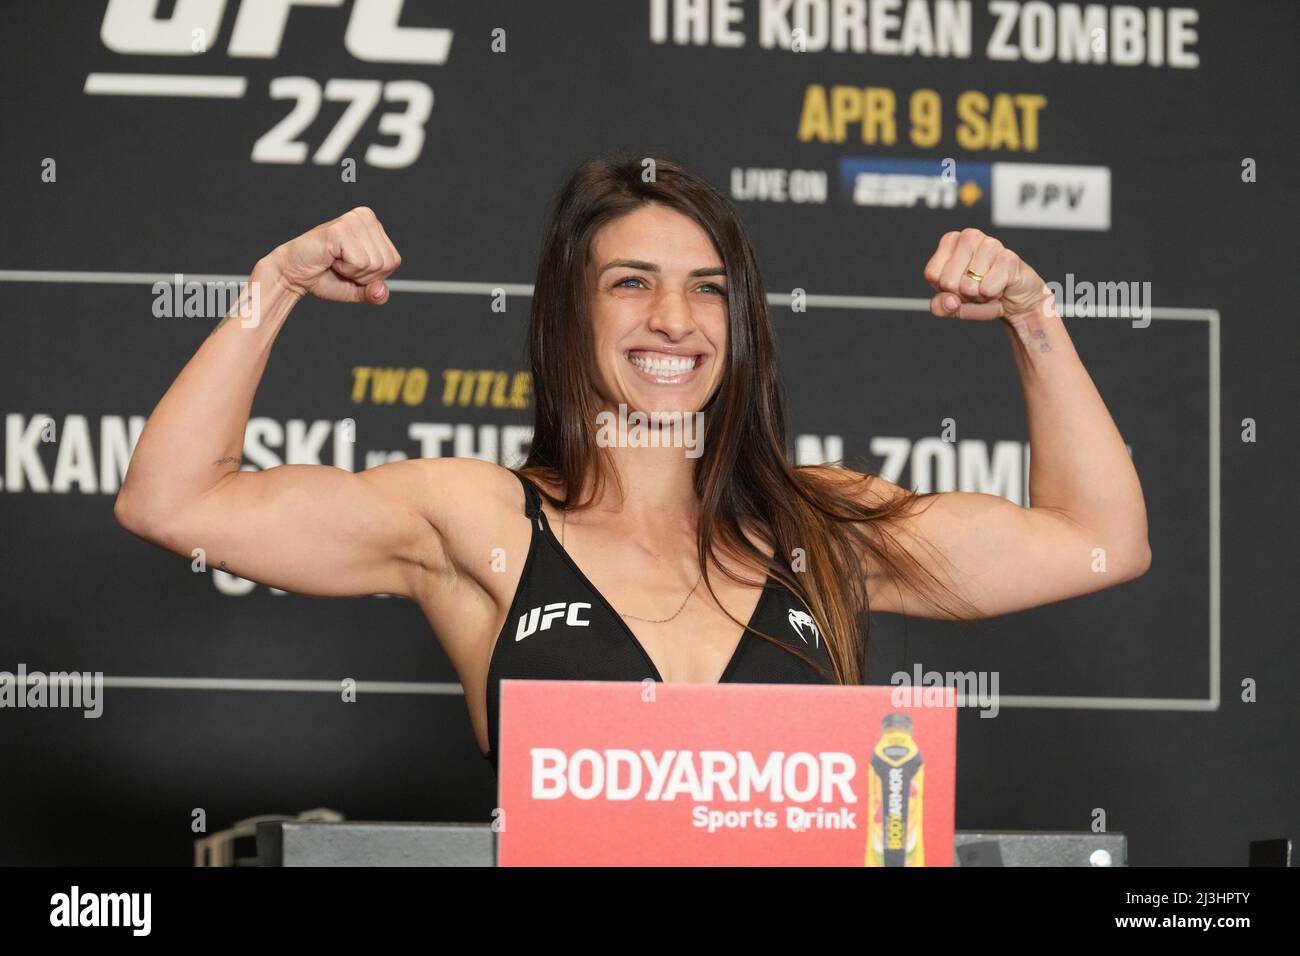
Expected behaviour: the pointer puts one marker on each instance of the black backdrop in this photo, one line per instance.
(1128, 701)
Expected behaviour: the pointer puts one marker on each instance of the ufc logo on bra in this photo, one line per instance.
(529, 623)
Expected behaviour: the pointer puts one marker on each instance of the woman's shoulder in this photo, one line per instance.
(468, 490)
(469, 472)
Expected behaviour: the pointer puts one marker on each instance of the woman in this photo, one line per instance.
(648, 298)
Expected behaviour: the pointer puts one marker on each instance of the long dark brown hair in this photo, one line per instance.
(744, 477)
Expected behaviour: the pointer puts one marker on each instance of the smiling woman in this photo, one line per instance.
(648, 297)
(659, 350)
(648, 294)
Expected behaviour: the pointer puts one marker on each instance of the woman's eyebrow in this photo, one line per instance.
(651, 267)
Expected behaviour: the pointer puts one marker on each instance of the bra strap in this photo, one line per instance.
(532, 502)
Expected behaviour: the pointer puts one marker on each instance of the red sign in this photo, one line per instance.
(613, 773)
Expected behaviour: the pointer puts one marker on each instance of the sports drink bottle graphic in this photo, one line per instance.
(894, 800)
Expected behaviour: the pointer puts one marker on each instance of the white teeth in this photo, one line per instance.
(664, 366)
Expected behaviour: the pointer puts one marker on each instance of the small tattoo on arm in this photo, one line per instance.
(241, 308)
(1028, 336)
(229, 459)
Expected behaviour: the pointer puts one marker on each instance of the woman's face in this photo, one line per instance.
(658, 305)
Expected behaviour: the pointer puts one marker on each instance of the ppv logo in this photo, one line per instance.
(528, 622)
(133, 26)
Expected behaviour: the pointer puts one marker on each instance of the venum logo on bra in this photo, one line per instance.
(541, 618)
(801, 621)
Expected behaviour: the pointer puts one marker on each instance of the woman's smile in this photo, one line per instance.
(665, 368)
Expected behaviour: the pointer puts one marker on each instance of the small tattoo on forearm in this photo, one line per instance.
(228, 460)
(243, 307)
(1029, 336)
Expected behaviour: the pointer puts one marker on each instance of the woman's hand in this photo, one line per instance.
(1008, 287)
(343, 260)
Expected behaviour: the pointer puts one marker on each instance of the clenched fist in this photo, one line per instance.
(976, 277)
(343, 260)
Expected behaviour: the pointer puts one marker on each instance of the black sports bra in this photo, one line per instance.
(561, 628)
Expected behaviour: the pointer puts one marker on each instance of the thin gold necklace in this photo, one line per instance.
(564, 520)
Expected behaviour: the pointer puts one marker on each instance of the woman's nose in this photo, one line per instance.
(671, 314)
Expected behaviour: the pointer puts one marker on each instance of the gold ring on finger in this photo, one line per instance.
(978, 277)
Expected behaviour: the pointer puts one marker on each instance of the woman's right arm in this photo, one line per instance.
(312, 529)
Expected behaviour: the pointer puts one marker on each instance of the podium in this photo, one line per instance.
(311, 843)
(316, 843)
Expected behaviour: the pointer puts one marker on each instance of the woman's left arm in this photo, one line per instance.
(1086, 526)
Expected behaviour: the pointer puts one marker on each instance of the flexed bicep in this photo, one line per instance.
(997, 557)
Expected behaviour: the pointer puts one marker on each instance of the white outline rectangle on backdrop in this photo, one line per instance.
(867, 303)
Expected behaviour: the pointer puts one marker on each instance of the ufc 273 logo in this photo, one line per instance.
(372, 35)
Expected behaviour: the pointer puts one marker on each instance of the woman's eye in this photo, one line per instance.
(623, 284)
